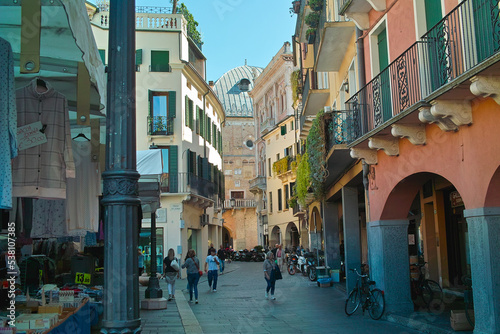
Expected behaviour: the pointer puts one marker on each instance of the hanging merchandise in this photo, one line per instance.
(49, 218)
(8, 123)
(83, 192)
(41, 171)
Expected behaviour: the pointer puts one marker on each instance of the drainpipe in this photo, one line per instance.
(360, 51)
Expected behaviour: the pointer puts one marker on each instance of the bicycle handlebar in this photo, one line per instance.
(356, 271)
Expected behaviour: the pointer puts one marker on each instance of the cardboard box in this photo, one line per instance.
(50, 308)
(23, 322)
(459, 322)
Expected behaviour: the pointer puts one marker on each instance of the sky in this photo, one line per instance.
(235, 30)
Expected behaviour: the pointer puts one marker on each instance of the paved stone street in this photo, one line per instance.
(239, 306)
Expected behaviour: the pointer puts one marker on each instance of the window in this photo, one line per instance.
(169, 178)
(288, 151)
(188, 114)
(269, 168)
(102, 53)
(280, 203)
(277, 157)
(199, 117)
(238, 194)
(161, 112)
(291, 125)
(244, 85)
(237, 171)
(283, 130)
(270, 201)
(287, 196)
(160, 61)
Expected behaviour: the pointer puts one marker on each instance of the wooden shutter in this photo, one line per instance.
(186, 111)
(138, 57)
(171, 104)
(283, 130)
(160, 61)
(197, 120)
(205, 171)
(173, 169)
(191, 117)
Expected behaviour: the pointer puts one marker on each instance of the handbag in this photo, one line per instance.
(199, 271)
(174, 264)
(277, 273)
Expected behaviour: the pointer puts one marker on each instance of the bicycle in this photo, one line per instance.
(429, 290)
(469, 302)
(363, 294)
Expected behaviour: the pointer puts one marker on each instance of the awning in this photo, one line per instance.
(149, 162)
(150, 166)
(66, 39)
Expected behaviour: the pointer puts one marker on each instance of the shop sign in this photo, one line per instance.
(31, 135)
(82, 278)
(456, 199)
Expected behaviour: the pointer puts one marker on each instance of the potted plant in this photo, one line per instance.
(312, 19)
(292, 202)
(316, 5)
(311, 35)
(295, 6)
(159, 125)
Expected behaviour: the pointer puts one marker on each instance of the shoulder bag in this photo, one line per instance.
(196, 264)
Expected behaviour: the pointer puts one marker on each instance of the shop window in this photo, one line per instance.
(160, 61)
(145, 247)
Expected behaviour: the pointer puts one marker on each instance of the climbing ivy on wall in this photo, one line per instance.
(303, 179)
(316, 149)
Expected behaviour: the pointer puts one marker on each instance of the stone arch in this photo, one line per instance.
(227, 237)
(493, 193)
(275, 236)
(398, 203)
(291, 238)
(315, 221)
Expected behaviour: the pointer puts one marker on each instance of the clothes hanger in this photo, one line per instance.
(40, 82)
(81, 135)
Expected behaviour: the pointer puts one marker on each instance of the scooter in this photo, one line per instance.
(292, 264)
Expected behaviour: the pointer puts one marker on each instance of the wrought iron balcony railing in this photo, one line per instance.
(338, 126)
(160, 126)
(188, 183)
(464, 38)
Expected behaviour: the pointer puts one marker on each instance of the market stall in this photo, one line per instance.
(52, 123)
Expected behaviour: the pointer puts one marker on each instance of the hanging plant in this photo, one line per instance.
(280, 166)
(296, 86)
(292, 202)
(316, 5)
(312, 19)
(316, 149)
(303, 179)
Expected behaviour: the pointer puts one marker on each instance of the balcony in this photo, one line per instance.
(160, 126)
(334, 39)
(258, 184)
(239, 203)
(146, 18)
(439, 65)
(189, 183)
(267, 125)
(314, 97)
(285, 167)
(358, 10)
(301, 27)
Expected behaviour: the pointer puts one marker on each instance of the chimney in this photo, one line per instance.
(211, 83)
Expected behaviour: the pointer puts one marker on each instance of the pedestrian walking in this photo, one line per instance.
(212, 262)
(221, 254)
(274, 250)
(140, 261)
(269, 267)
(192, 265)
(171, 272)
(280, 254)
(210, 249)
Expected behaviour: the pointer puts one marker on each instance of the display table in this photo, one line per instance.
(79, 321)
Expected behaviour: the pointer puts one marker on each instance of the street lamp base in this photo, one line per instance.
(154, 304)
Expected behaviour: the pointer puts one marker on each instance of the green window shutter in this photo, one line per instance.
(102, 53)
(186, 111)
(150, 111)
(173, 169)
(160, 61)
(383, 53)
(200, 166)
(191, 122)
(171, 104)
(197, 120)
(205, 170)
(433, 13)
(283, 130)
(214, 135)
(138, 57)
(209, 127)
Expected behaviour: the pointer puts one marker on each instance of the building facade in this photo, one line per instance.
(276, 150)
(241, 230)
(178, 113)
(420, 121)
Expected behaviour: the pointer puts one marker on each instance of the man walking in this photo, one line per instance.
(210, 249)
(212, 262)
(221, 254)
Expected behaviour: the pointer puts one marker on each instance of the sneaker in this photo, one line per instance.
(173, 297)
(169, 298)
(215, 290)
(267, 295)
(196, 302)
(272, 297)
(191, 301)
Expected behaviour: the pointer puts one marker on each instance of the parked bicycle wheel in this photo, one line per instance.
(312, 273)
(352, 303)
(377, 304)
(432, 294)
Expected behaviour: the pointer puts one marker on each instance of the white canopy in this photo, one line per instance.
(149, 162)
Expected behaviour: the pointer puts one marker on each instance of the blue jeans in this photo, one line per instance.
(193, 285)
(222, 266)
(212, 275)
(270, 285)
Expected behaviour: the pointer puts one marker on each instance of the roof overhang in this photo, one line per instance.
(316, 100)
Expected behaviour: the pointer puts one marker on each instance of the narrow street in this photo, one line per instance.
(239, 306)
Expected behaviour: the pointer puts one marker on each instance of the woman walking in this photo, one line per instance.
(269, 267)
(192, 264)
(171, 272)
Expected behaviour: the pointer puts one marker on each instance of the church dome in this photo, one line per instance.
(232, 90)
